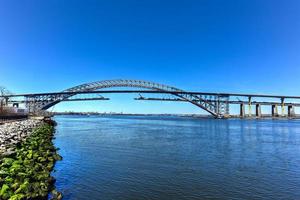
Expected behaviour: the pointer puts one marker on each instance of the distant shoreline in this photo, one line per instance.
(266, 116)
(129, 114)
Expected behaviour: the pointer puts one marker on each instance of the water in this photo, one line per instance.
(153, 158)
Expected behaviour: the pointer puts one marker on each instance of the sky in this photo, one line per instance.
(244, 46)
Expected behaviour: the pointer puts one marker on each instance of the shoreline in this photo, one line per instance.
(14, 133)
(27, 159)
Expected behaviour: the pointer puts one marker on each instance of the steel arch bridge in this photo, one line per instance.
(214, 104)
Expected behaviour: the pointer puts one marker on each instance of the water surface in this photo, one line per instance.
(129, 157)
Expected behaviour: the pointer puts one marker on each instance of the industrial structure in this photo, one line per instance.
(216, 104)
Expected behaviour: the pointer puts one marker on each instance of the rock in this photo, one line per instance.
(14, 132)
(8, 152)
(56, 195)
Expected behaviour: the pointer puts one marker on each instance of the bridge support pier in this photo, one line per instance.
(242, 110)
(274, 111)
(282, 107)
(249, 107)
(258, 110)
(291, 111)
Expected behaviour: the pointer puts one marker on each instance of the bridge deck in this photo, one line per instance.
(153, 92)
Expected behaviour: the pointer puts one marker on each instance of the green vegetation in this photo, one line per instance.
(26, 174)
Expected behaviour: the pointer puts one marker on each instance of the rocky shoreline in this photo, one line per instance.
(27, 158)
(13, 133)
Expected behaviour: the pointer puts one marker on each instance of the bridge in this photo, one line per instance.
(216, 104)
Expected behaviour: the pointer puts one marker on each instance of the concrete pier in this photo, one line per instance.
(258, 110)
(249, 107)
(274, 111)
(291, 111)
(282, 107)
(242, 110)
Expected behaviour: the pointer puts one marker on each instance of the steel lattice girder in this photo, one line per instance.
(197, 100)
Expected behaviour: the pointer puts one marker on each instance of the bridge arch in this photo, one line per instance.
(93, 86)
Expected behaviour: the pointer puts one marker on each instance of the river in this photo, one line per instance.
(158, 158)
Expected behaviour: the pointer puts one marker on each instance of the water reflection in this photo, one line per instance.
(177, 158)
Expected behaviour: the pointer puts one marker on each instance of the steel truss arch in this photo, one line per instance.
(216, 109)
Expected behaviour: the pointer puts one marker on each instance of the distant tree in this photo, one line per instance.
(3, 91)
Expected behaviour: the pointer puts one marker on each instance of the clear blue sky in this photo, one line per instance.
(204, 45)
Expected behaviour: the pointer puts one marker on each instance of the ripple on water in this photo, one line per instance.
(177, 158)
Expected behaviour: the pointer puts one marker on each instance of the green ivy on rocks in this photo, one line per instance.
(26, 174)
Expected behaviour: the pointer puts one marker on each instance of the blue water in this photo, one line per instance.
(128, 157)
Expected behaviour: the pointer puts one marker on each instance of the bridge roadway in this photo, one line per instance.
(274, 105)
(153, 92)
